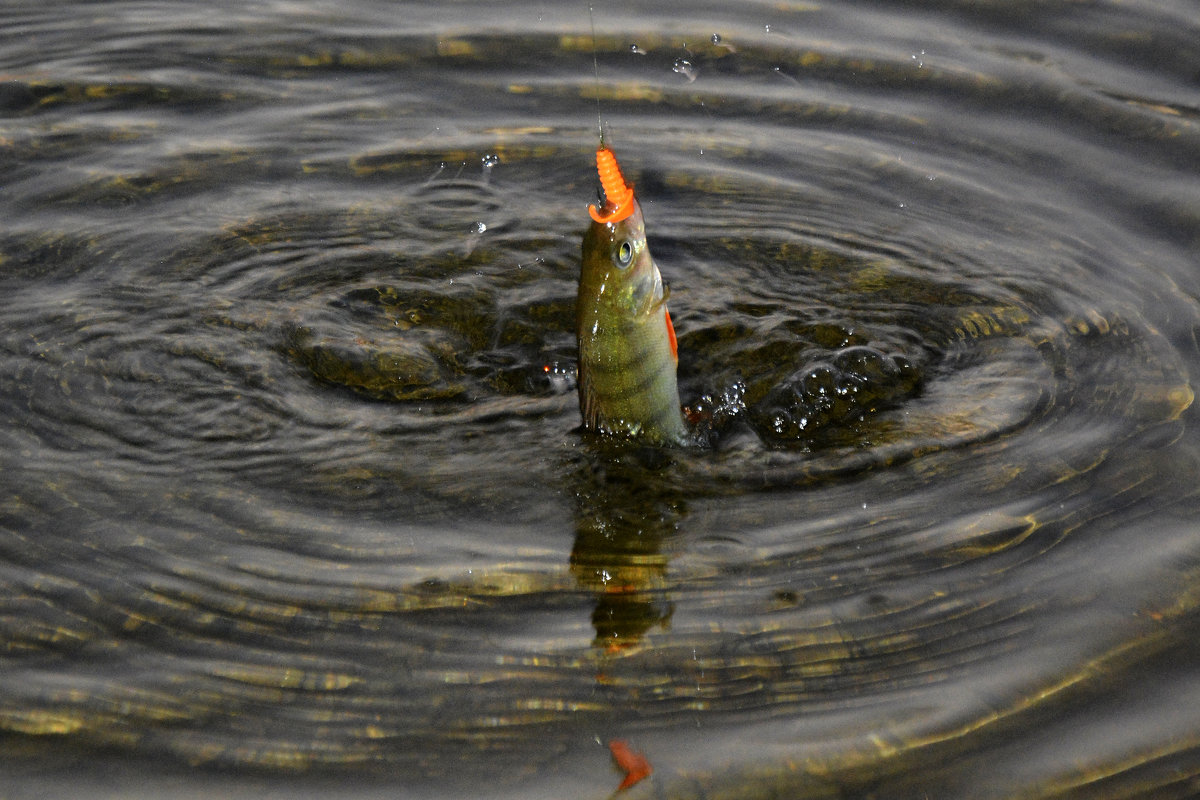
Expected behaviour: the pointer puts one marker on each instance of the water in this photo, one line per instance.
(295, 500)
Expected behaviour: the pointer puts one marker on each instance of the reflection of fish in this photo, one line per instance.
(627, 352)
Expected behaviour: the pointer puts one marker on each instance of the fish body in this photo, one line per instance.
(627, 350)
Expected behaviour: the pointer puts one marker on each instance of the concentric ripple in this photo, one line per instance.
(295, 489)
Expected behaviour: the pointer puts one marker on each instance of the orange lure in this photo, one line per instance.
(618, 195)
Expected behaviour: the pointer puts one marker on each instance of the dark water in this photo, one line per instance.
(294, 499)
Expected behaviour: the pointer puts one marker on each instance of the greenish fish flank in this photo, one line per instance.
(627, 350)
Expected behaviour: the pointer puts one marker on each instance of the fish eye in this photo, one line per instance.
(624, 254)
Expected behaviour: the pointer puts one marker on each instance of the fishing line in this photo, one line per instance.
(596, 69)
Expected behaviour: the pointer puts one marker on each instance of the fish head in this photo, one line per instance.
(618, 270)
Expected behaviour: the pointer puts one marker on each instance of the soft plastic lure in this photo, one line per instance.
(627, 349)
(618, 195)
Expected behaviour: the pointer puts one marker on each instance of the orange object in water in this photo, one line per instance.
(632, 762)
(618, 195)
(671, 336)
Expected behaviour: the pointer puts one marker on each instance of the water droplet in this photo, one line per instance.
(719, 42)
(478, 227)
(441, 168)
(559, 379)
(633, 48)
(779, 71)
(684, 67)
(920, 59)
(490, 160)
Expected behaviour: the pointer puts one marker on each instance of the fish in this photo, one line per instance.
(628, 351)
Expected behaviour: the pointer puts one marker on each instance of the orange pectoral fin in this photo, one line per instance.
(671, 336)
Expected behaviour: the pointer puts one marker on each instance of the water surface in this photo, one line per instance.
(295, 499)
